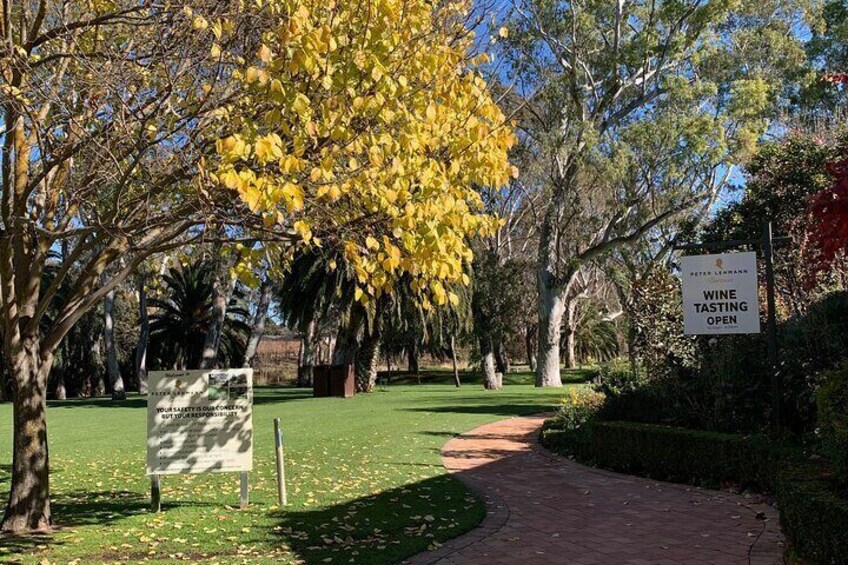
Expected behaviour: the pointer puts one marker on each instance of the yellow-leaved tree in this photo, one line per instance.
(366, 127)
(131, 128)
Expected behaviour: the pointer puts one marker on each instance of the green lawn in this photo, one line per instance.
(365, 480)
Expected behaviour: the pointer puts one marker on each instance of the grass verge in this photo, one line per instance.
(366, 484)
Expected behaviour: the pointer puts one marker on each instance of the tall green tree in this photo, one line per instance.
(781, 179)
(818, 100)
(496, 305)
(636, 110)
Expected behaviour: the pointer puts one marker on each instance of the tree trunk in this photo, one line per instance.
(501, 358)
(97, 384)
(347, 342)
(113, 370)
(487, 358)
(222, 291)
(307, 355)
(571, 335)
(61, 390)
(551, 310)
(453, 360)
(570, 349)
(28, 508)
(412, 358)
(530, 348)
(366, 363)
(143, 336)
(257, 329)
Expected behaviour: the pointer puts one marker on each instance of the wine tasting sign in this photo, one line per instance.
(200, 421)
(720, 294)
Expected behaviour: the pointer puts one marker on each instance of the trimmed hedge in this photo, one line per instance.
(670, 454)
(832, 401)
(812, 514)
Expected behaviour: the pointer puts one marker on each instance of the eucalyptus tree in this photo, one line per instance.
(636, 111)
(496, 305)
(504, 297)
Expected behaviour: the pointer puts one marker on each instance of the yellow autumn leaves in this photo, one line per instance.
(364, 123)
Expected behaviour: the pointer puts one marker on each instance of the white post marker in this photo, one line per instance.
(720, 294)
(281, 467)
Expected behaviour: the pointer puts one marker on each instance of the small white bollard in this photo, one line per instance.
(281, 468)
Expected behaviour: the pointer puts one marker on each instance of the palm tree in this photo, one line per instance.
(181, 318)
(597, 338)
(312, 291)
(409, 327)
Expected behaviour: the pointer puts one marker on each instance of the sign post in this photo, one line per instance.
(155, 494)
(244, 489)
(725, 285)
(199, 422)
(771, 337)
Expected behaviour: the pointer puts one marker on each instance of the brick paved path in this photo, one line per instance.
(547, 509)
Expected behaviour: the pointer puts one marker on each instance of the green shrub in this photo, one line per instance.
(812, 514)
(688, 400)
(832, 400)
(616, 377)
(723, 383)
(576, 409)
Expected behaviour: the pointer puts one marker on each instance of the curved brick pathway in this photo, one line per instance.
(546, 509)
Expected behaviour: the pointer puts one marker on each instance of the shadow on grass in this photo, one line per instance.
(14, 548)
(396, 524)
(79, 509)
(384, 528)
(75, 509)
(85, 508)
(448, 435)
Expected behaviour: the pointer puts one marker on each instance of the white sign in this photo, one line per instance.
(199, 421)
(720, 294)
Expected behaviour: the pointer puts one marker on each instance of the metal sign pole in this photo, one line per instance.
(244, 483)
(155, 494)
(771, 331)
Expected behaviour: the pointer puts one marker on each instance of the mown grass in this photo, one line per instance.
(365, 479)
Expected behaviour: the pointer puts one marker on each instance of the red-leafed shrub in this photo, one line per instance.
(828, 231)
